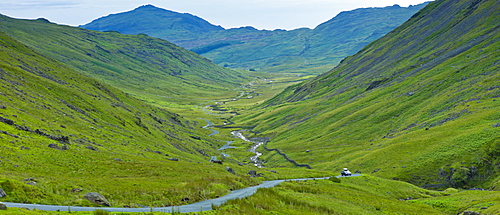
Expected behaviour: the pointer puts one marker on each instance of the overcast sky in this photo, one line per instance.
(262, 14)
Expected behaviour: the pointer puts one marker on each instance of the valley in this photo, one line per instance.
(138, 119)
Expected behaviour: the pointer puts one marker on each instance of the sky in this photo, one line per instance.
(261, 14)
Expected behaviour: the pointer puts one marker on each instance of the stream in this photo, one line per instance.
(255, 159)
(210, 124)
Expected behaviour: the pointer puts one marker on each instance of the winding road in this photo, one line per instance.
(195, 207)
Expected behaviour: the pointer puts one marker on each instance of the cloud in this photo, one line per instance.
(36, 4)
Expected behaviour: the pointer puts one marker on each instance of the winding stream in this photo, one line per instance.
(255, 159)
(227, 146)
(210, 124)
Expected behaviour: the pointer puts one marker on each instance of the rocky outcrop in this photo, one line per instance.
(3, 206)
(76, 190)
(230, 170)
(54, 146)
(2, 193)
(254, 173)
(470, 213)
(97, 199)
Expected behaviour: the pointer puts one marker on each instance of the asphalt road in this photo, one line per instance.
(196, 207)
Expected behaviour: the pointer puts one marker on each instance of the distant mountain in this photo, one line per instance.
(156, 22)
(421, 104)
(248, 47)
(147, 67)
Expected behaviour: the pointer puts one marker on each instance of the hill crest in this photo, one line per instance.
(137, 64)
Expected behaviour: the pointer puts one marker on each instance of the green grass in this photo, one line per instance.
(483, 202)
(358, 195)
(355, 195)
(16, 211)
(361, 195)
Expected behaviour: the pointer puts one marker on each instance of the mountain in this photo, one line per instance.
(313, 50)
(146, 67)
(421, 104)
(249, 48)
(156, 22)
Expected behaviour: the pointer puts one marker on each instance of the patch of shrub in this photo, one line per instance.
(460, 176)
(100, 212)
(450, 191)
(335, 179)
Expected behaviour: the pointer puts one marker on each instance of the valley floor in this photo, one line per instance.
(358, 195)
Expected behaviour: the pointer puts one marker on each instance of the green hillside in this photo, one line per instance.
(420, 104)
(64, 131)
(148, 68)
(304, 50)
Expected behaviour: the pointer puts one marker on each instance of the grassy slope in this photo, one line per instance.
(361, 195)
(116, 145)
(413, 105)
(36, 87)
(149, 68)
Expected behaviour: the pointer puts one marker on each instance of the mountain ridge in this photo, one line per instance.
(270, 50)
(130, 62)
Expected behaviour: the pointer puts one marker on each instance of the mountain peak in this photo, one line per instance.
(151, 7)
(147, 6)
(147, 17)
